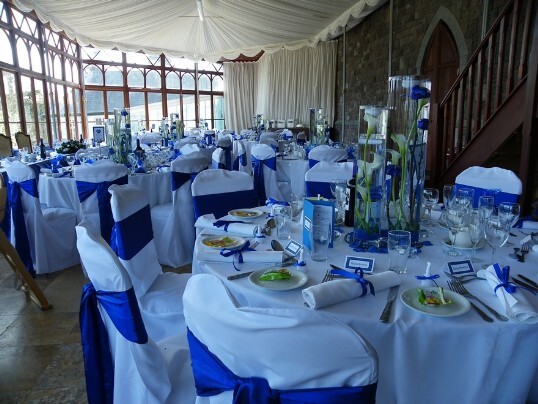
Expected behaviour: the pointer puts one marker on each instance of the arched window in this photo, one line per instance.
(113, 76)
(93, 75)
(218, 83)
(135, 78)
(6, 57)
(187, 82)
(153, 79)
(23, 53)
(172, 81)
(35, 58)
(204, 83)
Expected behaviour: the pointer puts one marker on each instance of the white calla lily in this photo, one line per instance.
(362, 191)
(401, 141)
(373, 122)
(394, 156)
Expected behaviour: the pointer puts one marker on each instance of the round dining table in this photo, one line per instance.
(422, 357)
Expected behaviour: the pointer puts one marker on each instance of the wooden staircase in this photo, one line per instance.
(492, 100)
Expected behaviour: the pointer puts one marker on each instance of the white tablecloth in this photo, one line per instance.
(422, 358)
(61, 192)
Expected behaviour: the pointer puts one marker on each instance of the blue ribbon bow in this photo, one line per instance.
(273, 201)
(225, 223)
(257, 169)
(358, 277)
(504, 276)
(238, 252)
(212, 377)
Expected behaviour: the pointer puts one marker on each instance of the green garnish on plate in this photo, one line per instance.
(433, 297)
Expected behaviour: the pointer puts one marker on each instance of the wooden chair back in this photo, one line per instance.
(23, 140)
(6, 146)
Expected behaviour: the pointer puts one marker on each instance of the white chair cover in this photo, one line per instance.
(218, 159)
(266, 157)
(189, 148)
(290, 348)
(503, 185)
(44, 238)
(159, 294)
(326, 153)
(319, 177)
(268, 135)
(178, 144)
(144, 371)
(101, 173)
(240, 157)
(173, 223)
(219, 191)
(209, 136)
(270, 142)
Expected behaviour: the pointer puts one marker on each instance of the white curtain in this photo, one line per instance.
(240, 82)
(283, 85)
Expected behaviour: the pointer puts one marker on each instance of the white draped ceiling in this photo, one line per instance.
(173, 27)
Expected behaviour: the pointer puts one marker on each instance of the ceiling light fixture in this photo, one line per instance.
(200, 9)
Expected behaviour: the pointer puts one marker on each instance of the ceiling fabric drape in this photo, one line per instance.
(240, 83)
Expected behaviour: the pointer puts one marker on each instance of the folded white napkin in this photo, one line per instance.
(240, 229)
(340, 290)
(516, 304)
(273, 257)
(528, 224)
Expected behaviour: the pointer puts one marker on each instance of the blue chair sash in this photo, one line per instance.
(227, 157)
(122, 308)
(212, 377)
(178, 179)
(259, 182)
(221, 204)
(22, 243)
(86, 189)
(240, 160)
(132, 234)
(498, 195)
(312, 162)
(5, 225)
(315, 188)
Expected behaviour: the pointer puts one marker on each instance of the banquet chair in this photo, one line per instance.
(504, 185)
(23, 140)
(122, 363)
(268, 135)
(173, 223)
(240, 157)
(43, 237)
(225, 143)
(264, 355)
(92, 182)
(178, 144)
(158, 293)
(263, 159)
(219, 191)
(326, 153)
(218, 159)
(318, 178)
(6, 146)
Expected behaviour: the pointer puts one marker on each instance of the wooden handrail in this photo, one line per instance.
(492, 73)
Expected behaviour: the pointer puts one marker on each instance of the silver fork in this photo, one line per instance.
(484, 316)
(524, 250)
(464, 292)
(459, 278)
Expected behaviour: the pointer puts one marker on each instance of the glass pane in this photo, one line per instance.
(172, 102)
(114, 100)
(137, 108)
(17, 17)
(205, 109)
(28, 99)
(77, 112)
(35, 58)
(53, 39)
(204, 84)
(28, 26)
(40, 102)
(137, 58)
(89, 53)
(95, 105)
(11, 98)
(75, 73)
(68, 71)
(218, 83)
(189, 111)
(93, 75)
(154, 60)
(57, 66)
(218, 107)
(180, 63)
(155, 108)
(62, 113)
(208, 66)
(31, 130)
(135, 79)
(172, 81)
(5, 55)
(3, 17)
(70, 47)
(187, 82)
(111, 56)
(23, 54)
(113, 76)
(153, 79)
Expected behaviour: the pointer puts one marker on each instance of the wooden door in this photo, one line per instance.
(441, 61)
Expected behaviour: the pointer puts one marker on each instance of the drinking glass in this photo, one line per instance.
(449, 193)
(338, 189)
(465, 196)
(509, 212)
(283, 221)
(319, 241)
(475, 225)
(297, 203)
(398, 245)
(431, 197)
(486, 206)
(496, 232)
(456, 220)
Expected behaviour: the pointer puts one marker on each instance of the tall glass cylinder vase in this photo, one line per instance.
(409, 103)
(370, 182)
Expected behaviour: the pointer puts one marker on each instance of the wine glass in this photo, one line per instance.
(496, 231)
(431, 197)
(297, 203)
(338, 189)
(486, 206)
(449, 193)
(456, 220)
(465, 197)
(475, 225)
(509, 212)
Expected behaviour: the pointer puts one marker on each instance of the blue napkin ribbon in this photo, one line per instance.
(358, 275)
(225, 223)
(504, 276)
(236, 253)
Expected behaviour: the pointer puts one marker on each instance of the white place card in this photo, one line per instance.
(366, 264)
(460, 267)
(293, 248)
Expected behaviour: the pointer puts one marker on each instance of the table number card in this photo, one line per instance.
(317, 211)
(366, 264)
(293, 248)
(460, 267)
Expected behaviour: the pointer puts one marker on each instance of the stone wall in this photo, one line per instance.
(367, 49)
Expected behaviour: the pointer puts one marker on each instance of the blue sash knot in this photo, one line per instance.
(212, 377)
(358, 276)
(225, 223)
(178, 179)
(130, 235)
(257, 169)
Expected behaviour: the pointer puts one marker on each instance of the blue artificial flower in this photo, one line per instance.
(418, 92)
(393, 170)
(124, 112)
(423, 124)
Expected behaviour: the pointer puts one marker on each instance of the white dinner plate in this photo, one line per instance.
(246, 215)
(479, 245)
(297, 280)
(460, 305)
(219, 242)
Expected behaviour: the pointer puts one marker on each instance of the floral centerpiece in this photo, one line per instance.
(70, 147)
(409, 100)
(121, 139)
(370, 182)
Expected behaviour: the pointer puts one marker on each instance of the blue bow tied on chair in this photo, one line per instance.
(257, 168)
(178, 179)
(122, 308)
(359, 277)
(212, 377)
(22, 243)
(130, 235)
(240, 160)
(86, 189)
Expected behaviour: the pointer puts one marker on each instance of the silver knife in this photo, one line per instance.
(241, 275)
(529, 280)
(390, 299)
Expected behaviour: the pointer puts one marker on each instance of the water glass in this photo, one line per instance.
(319, 241)
(456, 220)
(486, 206)
(465, 196)
(398, 244)
(496, 232)
(475, 225)
(431, 197)
(283, 221)
(297, 203)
